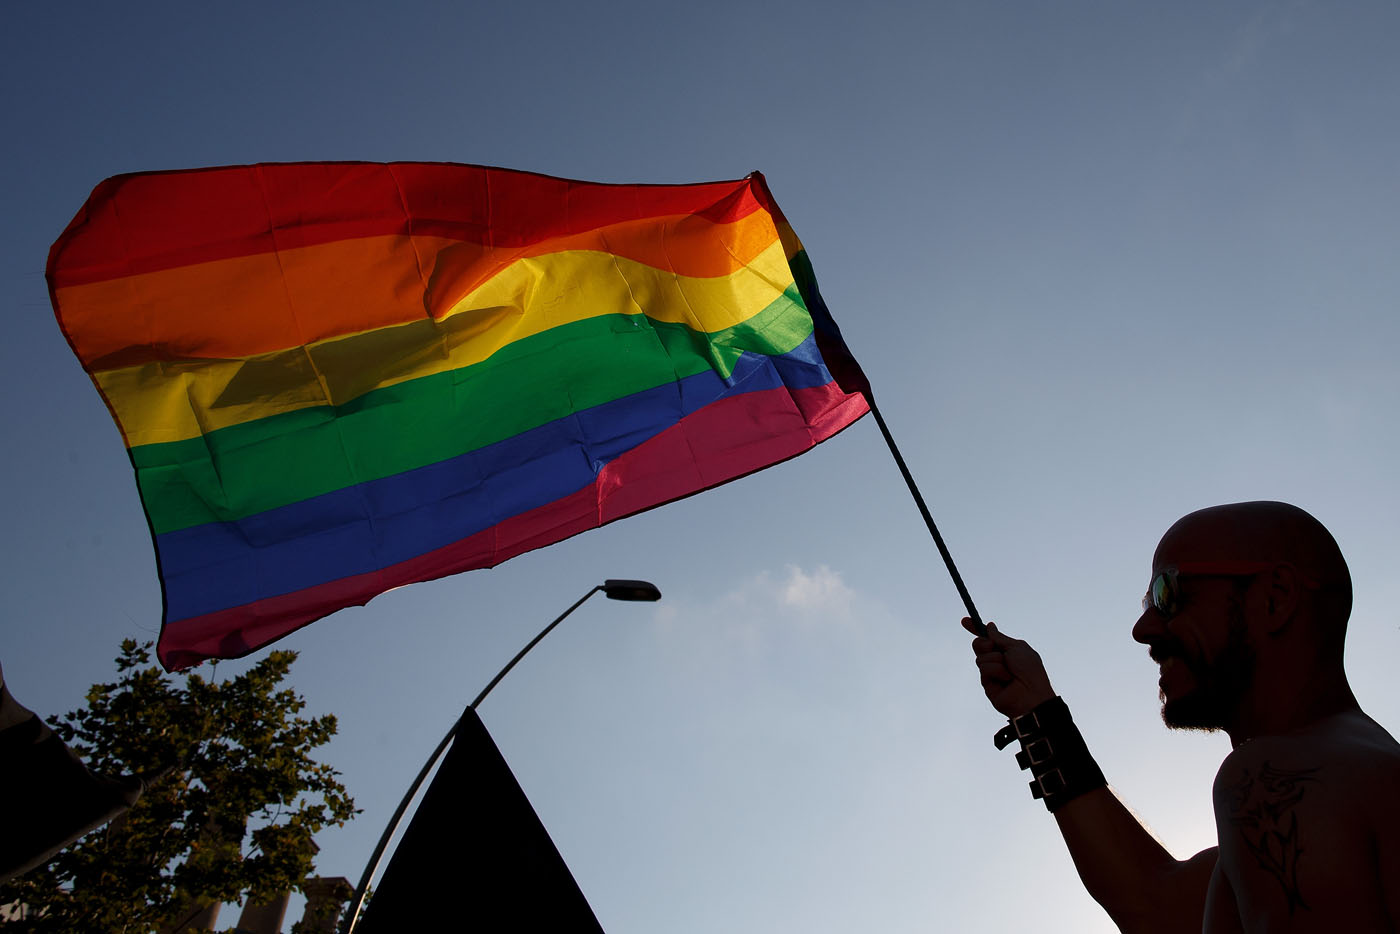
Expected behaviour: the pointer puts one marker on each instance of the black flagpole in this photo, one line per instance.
(928, 518)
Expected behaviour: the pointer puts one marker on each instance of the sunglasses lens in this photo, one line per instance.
(1162, 593)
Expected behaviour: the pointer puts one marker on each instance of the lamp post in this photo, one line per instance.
(630, 590)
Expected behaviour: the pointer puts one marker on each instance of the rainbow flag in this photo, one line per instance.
(338, 378)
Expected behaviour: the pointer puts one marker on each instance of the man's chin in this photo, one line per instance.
(1192, 712)
(1217, 689)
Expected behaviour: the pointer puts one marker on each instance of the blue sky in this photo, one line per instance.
(1104, 263)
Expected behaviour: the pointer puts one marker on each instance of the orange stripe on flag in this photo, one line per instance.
(248, 305)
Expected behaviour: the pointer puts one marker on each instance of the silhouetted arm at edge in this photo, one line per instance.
(1142, 887)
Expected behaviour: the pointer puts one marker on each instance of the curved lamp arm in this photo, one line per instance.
(631, 590)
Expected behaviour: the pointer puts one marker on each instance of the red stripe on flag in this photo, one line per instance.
(142, 223)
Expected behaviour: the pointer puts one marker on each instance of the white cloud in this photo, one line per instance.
(763, 609)
(823, 590)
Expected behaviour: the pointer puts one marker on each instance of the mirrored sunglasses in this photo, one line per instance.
(1164, 592)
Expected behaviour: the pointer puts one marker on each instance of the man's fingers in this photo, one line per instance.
(993, 638)
(992, 632)
(993, 667)
(999, 638)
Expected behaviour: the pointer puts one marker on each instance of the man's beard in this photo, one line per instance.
(1220, 685)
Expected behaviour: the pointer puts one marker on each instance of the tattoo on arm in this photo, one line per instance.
(1261, 807)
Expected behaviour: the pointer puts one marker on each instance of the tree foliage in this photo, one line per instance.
(234, 798)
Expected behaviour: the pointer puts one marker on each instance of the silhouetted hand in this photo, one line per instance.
(1013, 675)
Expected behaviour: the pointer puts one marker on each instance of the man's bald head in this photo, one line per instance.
(1276, 533)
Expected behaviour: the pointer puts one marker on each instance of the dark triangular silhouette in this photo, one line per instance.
(475, 856)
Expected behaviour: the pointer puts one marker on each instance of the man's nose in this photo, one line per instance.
(1150, 626)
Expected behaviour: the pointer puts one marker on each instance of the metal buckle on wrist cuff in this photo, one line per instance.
(1036, 752)
(1051, 783)
(1027, 724)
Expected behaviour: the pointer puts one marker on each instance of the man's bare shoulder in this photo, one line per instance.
(1305, 821)
(1355, 750)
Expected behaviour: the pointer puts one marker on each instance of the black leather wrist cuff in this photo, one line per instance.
(1054, 751)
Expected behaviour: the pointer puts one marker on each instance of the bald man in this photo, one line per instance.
(1246, 614)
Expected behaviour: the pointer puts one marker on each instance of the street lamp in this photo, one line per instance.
(631, 590)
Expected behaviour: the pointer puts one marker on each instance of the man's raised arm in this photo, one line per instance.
(1123, 867)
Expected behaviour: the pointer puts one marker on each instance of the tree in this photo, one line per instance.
(226, 763)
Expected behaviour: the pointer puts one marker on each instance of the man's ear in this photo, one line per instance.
(1281, 599)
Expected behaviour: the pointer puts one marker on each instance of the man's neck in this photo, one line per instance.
(1290, 704)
